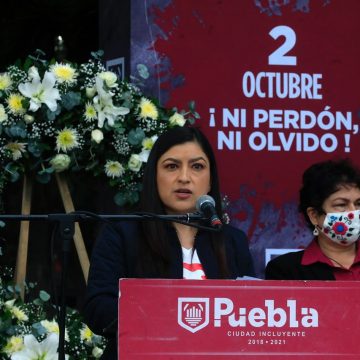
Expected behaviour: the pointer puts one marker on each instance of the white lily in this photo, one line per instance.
(41, 92)
(144, 155)
(148, 143)
(33, 350)
(104, 106)
(10, 303)
(33, 73)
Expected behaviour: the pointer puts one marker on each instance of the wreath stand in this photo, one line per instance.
(21, 261)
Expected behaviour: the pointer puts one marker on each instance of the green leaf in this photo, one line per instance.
(92, 165)
(12, 170)
(70, 100)
(127, 97)
(43, 177)
(28, 63)
(133, 197)
(136, 136)
(48, 170)
(143, 71)
(34, 149)
(196, 115)
(16, 131)
(119, 129)
(39, 329)
(39, 52)
(96, 339)
(44, 296)
(51, 115)
(8, 328)
(192, 105)
(97, 55)
(120, 199)
(25, 103)
(38, 302)
(191, 120)
(138, 186)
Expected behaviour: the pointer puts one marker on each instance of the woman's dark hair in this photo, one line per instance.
(321, 180)
(154, 246)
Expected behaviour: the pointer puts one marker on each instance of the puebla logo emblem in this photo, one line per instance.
(193, 313)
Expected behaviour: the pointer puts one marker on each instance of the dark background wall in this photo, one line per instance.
(114, 31)
(34, 24)
(27, 25)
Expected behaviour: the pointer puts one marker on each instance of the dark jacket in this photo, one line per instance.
(115, 256)
(288, 267)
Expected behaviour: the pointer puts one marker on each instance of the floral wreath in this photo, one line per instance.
(61, 116)
(29, 330)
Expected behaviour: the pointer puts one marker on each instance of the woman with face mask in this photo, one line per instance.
(181, 169)
(330, 203)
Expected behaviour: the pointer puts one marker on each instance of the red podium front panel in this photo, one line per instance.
(223, 319)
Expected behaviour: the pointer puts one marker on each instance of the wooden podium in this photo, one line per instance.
(21, 260)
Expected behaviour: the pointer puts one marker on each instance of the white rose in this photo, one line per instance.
(28, 118)
(96, 352)
(134, 163)
(97, 135)
(5, 81)
(60, 162)
(90, 92)
(109, 77)
(177, 120)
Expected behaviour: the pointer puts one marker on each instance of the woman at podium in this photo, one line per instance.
(330, 203)
(180, 170)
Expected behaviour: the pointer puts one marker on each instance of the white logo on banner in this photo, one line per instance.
(193, 313)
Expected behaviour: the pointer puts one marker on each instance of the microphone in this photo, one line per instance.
(205, 204)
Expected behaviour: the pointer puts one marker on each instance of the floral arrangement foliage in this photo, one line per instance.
(28, 330)
(62, 116)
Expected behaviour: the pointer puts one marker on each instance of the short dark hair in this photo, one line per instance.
(154, 252)
(321, 180)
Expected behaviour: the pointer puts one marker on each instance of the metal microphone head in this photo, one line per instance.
(202, 200)
(205, 204)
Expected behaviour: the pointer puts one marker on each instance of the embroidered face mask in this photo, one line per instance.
(343, 227)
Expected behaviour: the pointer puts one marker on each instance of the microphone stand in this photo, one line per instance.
(66, 230)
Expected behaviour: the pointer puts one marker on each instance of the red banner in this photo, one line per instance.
(276, 86)
(178, 319)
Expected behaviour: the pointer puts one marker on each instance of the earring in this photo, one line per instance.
(315, 231)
